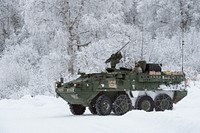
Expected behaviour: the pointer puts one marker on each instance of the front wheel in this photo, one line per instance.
(103, 105)
(92, 109)
(77, 109)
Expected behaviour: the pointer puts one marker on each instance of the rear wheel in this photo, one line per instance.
(103, 105)
(77, 109)
(163, 102)
(145, 103)
(122, 105)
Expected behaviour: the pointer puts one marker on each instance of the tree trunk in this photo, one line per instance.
(70, 51)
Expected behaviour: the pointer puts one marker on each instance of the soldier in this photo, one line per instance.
(114, 59)
(137, 68)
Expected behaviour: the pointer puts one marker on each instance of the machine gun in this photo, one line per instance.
(115, 58)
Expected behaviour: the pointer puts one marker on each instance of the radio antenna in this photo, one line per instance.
(182, 44)
(142, 48)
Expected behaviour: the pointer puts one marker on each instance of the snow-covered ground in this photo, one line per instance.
(42, 114)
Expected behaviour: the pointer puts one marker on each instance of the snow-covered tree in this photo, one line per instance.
(41, 40)
(11, 21)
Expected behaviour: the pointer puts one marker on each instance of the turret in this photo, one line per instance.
(115, 58)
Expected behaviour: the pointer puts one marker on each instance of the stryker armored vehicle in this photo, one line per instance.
(146, 87)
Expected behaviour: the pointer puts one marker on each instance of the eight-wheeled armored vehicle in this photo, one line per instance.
(146, 87)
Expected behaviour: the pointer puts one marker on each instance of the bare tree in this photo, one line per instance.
(69, 14)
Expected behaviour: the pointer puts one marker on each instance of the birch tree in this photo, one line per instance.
(69, 14)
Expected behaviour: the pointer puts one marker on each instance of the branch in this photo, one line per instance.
(164, 22)
(83, 32)
(60, 12)
(48, 20)
(84, 45)
(76, 18)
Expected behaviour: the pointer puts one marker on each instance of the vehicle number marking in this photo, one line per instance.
(70, 90)
(112, 84)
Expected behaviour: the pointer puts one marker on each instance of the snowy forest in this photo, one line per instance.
(42, 40)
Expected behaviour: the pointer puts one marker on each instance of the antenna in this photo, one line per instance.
(182, 51)
(142, 48)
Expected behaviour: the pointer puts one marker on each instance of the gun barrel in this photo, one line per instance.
(116, 54)
(123, 47)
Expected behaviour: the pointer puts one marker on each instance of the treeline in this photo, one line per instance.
(41, 40)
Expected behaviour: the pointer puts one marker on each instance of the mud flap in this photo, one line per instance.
(179, 95)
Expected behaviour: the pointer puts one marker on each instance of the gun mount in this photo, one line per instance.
(115, 58)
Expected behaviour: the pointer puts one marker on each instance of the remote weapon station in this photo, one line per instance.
(146, 87)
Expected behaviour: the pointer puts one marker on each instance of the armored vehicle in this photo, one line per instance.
(146, 87)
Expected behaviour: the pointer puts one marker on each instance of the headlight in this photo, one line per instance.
(58, 84)
(77, 85)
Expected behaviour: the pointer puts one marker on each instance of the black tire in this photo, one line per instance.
(92, 109)
(163, 102)
(145, 103)
(103, 105)
(77, 109)
(122, 105)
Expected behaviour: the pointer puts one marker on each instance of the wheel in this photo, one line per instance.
(103, 105)
(92, 109)
(122, 104)
(145, 103)
(163, 102)
(77, 109)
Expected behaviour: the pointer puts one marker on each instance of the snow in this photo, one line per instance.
(44, 114)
